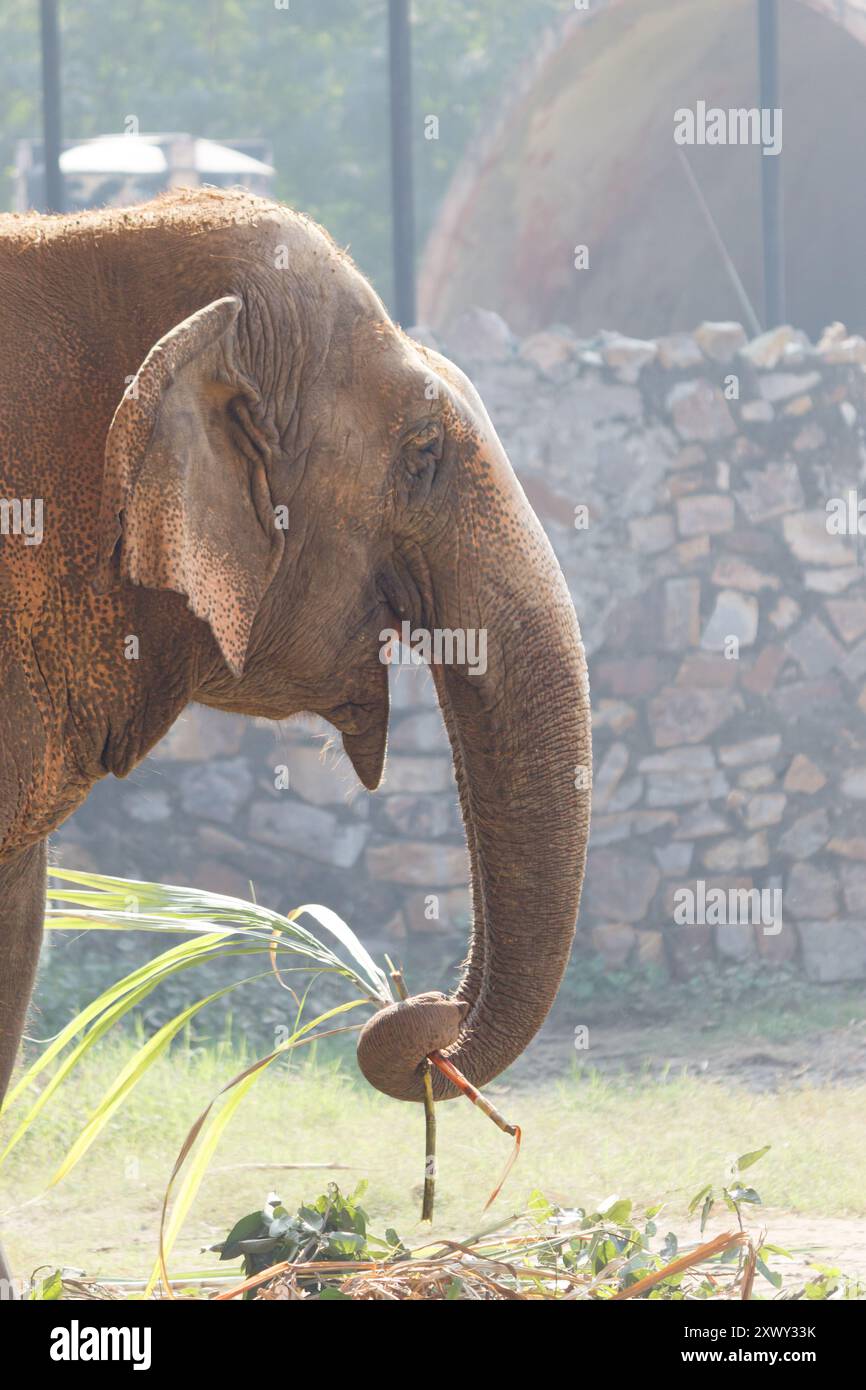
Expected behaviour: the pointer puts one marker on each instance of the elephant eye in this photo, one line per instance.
(423, 449)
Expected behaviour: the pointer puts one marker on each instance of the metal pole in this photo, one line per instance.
(402, 198)
(718, 240)
(51, 105)
(771, 169)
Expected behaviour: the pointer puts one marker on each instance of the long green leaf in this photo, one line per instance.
(214, 925)
(111, 1016)
(108, 898)
(129, 1077)
(214, 1130)
(102, 1002)
(344, 934)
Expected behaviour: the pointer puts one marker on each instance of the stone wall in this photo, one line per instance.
(684, 484)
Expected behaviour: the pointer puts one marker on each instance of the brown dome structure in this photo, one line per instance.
(583, 153)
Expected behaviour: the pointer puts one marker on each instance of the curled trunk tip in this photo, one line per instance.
(394, 1043)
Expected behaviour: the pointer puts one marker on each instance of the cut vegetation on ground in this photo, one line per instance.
(629, 1165)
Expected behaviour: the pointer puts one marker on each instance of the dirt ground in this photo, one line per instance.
(828, 1062)
(834, 1241)
(834, 1056)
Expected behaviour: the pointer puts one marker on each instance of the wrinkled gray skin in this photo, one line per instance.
(267, 374)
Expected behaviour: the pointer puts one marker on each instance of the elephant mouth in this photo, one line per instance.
(354, 717)
(363, 724)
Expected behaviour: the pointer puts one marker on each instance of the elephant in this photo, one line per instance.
(225, 471)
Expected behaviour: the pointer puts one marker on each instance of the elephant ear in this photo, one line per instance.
(186, 503)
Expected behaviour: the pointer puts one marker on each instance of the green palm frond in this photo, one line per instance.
(215, 927)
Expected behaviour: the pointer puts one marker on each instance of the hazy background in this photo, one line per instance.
(313, 80)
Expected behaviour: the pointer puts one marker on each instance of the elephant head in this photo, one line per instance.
(308, 477)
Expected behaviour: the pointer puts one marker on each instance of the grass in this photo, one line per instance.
(584, 1138)
(128, 1096)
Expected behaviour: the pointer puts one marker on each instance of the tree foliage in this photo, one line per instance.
(311, 78)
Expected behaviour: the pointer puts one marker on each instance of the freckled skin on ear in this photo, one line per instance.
(245, 478)
(170, 466)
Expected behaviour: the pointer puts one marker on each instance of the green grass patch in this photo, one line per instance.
(584, 1139)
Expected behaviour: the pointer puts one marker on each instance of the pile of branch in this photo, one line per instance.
(515, 1267)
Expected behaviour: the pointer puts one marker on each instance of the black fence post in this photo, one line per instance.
(402, 192)
(771, 169)
(51, 139)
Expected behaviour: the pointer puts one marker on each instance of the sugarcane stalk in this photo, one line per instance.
(429, 1147)
(429, 1197)
(471, 1093)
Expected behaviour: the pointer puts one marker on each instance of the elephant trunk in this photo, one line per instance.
(520, 738)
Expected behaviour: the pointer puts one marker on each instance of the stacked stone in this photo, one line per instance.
(684, 484)
(726, 625)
